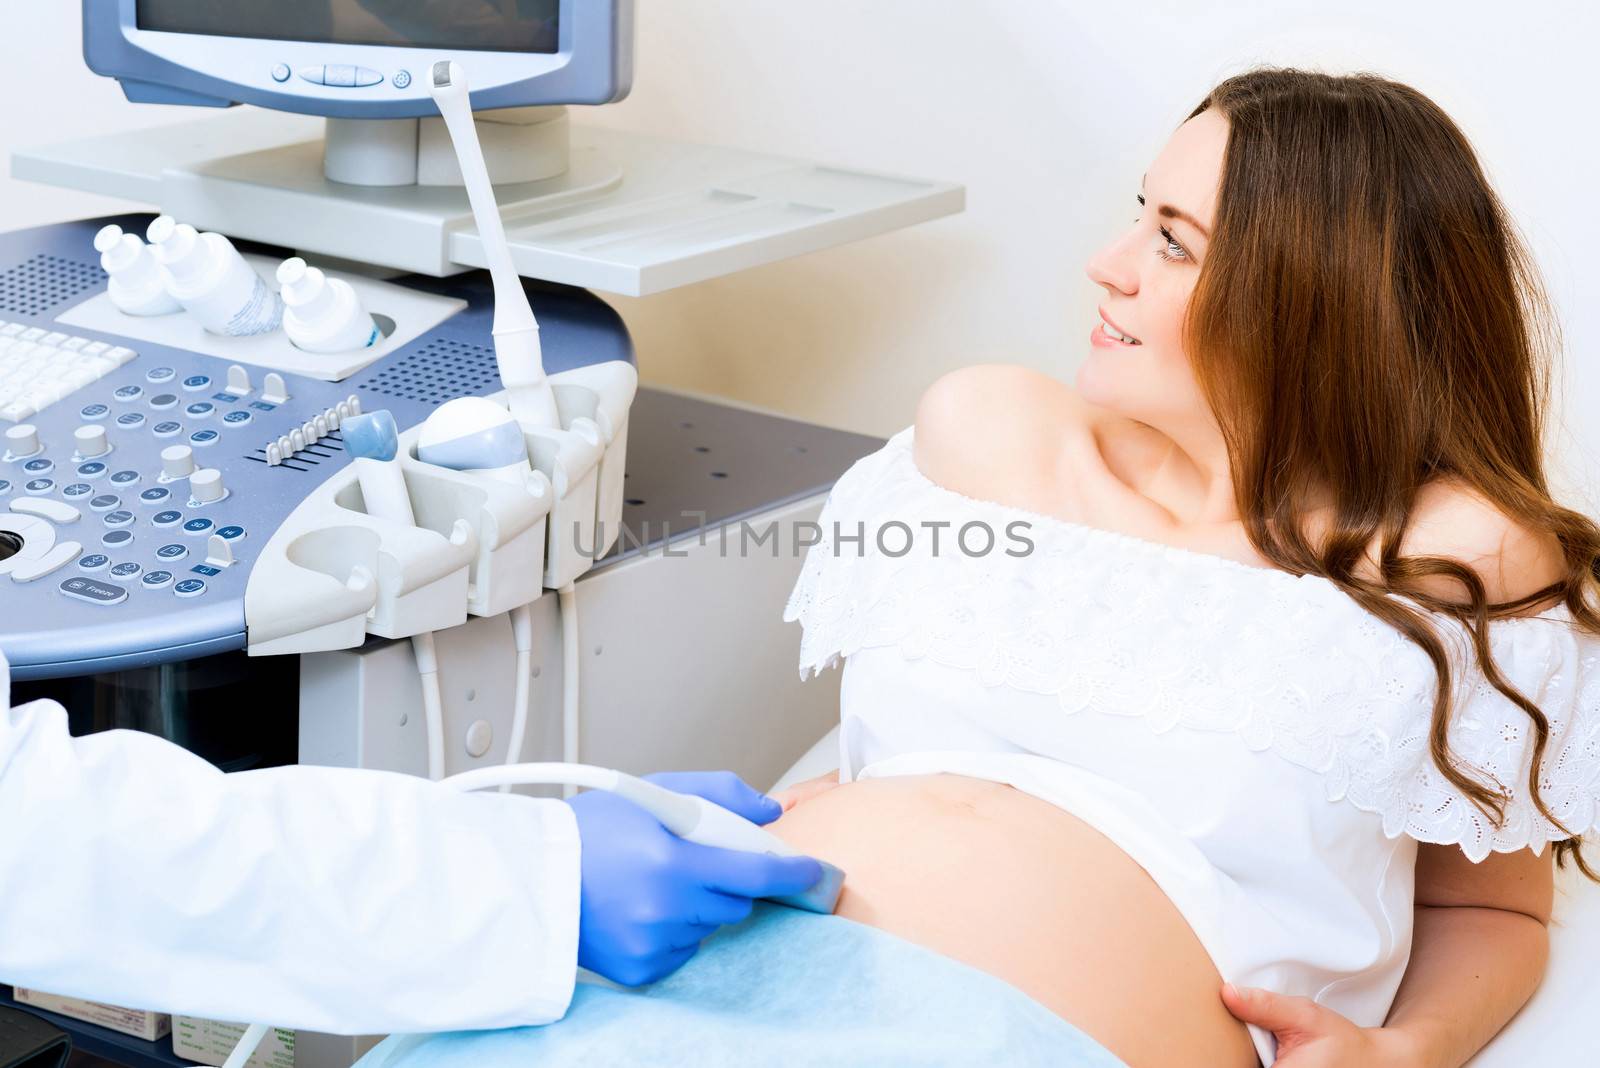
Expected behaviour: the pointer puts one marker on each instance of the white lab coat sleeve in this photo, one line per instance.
(330, 899)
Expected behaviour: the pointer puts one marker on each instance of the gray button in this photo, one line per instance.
(402, 78)
(367, 76)
(94, 592)
(280, 73)
(311, 74)
(338, 74)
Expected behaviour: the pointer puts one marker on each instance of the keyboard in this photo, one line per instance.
(39, 367)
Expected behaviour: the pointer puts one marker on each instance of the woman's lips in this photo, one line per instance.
(1098, 336)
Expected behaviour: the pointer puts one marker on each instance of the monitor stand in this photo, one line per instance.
(519, 145)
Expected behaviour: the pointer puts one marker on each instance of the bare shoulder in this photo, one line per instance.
(996, 431)
(1453, 520)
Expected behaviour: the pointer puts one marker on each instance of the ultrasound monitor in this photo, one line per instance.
(360, 58)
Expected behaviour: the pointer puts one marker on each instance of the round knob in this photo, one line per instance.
(205, 485)
(23, 440)
(177, 461)
(480, 736)
(91, 441)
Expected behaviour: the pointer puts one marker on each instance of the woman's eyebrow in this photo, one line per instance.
(1167, 211)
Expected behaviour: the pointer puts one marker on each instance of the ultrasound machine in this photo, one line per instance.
(241, 503)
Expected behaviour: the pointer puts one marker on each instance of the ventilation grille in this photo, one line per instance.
(441, 370)
(36, 286)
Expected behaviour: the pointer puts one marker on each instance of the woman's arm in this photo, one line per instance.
(1477, 954)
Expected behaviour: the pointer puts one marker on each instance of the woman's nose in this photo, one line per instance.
(1112, 267)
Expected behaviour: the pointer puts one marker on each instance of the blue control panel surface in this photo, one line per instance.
(139, 589)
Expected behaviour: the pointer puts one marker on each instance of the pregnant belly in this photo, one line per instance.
(1025, 891)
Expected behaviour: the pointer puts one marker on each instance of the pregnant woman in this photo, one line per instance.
(1263, 657)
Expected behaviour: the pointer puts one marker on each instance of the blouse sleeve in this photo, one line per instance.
(1557, 667)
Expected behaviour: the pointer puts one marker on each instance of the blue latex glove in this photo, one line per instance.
(649, 897)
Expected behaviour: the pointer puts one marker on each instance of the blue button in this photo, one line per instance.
(94, 592)
(203, 438)
(40, 485)
(156, 579)
(238, 418)
(155, 495)
(230, 533)
(125, 478)
(93, 562)
(127, 570)
(129, 393)
(172, 552)
(162, 401)
(131, 420)
(167, 429)
(94, 411)
(402, 78)
(120, 518)
(190, 588)
(117, 538)
(5, 486)
(200, 410)
(157, 375)
(92, 469)
(197, 526)
(207, 570)
(105, 502)
(263, 406)
(166, 519)
(281, 72)
(38, 467)
(197, 382)
(77, 489)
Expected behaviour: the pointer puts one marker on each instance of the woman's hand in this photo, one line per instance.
(805, 791)
(1314, 1036)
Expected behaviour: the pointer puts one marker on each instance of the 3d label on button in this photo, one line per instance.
(93, 592)
(197, 526)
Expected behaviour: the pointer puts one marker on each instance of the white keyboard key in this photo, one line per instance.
(99, 365)
(73, 343)
(17, 411)
(11, 330)
(51, 371)
(95, 348)
(46, 508)
(55, 338)
(6, 342)
(121, 355)
(54, 560)
(34, 333)
(80, 377)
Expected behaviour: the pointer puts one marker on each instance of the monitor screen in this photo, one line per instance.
(486, 25)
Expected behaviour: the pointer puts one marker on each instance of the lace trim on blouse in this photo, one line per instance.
(1104, 621)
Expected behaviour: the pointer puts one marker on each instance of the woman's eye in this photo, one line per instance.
(1173, 251)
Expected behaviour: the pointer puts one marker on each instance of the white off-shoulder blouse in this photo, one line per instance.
(1256, 740)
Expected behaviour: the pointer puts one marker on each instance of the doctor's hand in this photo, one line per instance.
(1314, 1036)
(649, 897)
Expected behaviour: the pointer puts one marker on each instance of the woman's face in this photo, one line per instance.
(1148, 272)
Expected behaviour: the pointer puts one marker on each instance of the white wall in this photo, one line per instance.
(1047, 111)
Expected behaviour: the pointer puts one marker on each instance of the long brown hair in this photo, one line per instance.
(1368, 320)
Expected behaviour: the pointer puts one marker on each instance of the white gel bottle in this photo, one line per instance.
(135, 287)
(206, 274)
(323, 314)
